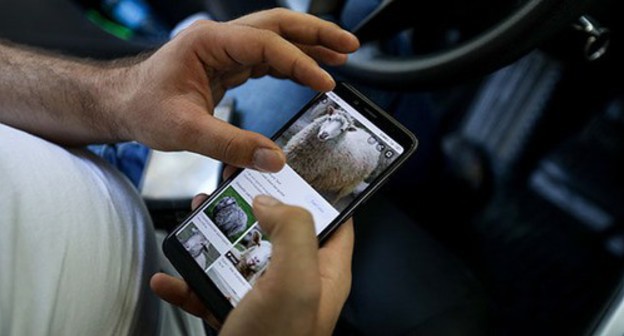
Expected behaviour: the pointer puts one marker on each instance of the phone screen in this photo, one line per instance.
(333, 153)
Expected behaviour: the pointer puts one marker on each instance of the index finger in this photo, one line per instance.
(178, 293)
(231, 46)
(303, 28)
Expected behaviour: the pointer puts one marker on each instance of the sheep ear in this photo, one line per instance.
(351, 129)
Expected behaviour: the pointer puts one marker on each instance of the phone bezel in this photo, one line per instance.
(197, 278)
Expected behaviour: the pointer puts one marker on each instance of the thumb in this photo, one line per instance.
(285, 300)
(222, 141)
(291, 231)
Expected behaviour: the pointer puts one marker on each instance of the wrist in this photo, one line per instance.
(116, 89)
(114, 93)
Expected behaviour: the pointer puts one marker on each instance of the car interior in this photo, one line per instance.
(508, 219)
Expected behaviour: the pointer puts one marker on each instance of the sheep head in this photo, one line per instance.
(333, 124)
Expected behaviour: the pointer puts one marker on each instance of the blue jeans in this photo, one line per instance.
(128, 157)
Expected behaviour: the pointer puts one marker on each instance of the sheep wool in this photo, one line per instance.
(332, 154)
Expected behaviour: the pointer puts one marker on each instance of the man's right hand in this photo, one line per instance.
(304, 287)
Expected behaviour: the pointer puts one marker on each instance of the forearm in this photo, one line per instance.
(63, 100)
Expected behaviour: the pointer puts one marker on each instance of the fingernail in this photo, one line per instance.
(268, 160)
(266, 200)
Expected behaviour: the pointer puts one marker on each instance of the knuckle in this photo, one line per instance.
(194, 32)
(278, 12)
(195, 28)
(268, 36)
(200, 24)
(227, 149)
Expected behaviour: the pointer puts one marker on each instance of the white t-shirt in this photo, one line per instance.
(76, 244)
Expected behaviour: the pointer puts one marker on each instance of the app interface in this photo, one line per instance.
(332, 154)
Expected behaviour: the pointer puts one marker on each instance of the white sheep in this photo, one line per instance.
(254, 259)
(332, 154)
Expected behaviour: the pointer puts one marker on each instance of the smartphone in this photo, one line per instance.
(339, 150)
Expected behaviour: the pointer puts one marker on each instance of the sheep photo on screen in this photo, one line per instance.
(334, 152)
(198, 246)
(251, 255)
(231, 214)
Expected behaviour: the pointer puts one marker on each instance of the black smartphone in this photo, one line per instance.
(339, 149)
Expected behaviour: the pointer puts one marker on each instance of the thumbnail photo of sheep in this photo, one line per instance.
(198, 246)
(231, 214)
(251, 255)
(333, 152)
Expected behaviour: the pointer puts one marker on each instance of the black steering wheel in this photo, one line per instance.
(525, 28)
(525, 25)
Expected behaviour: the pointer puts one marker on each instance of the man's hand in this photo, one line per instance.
(167, 99)
(172, 94)
(303, 289)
